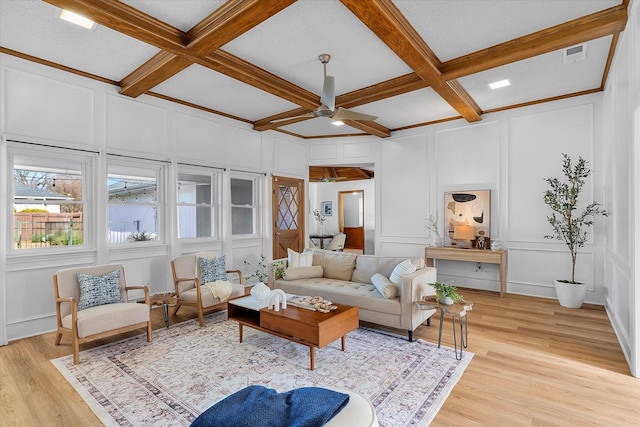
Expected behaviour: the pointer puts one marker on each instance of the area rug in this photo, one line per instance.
(186, 369)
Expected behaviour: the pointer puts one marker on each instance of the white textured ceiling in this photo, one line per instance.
(287, 45)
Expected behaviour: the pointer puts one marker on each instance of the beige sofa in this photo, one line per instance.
(346, 279)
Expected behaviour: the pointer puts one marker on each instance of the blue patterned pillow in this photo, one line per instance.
(212, 269)
(99, 290)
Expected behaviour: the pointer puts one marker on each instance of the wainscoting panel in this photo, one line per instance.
(196, 137)
(135, 127)
(47, 109)
(289, 158)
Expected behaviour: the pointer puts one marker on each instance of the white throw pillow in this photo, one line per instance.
(385, 286)
(402, 269)
(294, 259)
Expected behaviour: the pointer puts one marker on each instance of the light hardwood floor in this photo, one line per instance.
(535, 364)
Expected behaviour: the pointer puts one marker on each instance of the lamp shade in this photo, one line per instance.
(464, 232)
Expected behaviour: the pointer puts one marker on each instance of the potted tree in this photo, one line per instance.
(568, 224)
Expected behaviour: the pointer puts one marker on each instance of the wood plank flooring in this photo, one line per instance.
(535, 364)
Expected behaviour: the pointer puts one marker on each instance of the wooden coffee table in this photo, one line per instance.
(306, 327)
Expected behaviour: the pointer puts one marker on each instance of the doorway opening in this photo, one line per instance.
(351, 218)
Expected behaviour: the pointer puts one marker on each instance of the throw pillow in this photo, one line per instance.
(294, 259)
(385, 286)
(98, 290)
(212, 269)
(402, 269)
(311, 272)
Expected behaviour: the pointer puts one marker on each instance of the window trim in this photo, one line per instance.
(87, 160)
(135, 163)
(216, 201)
(256, 203)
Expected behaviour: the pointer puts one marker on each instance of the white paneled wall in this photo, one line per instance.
(50, 107)
(621, 151)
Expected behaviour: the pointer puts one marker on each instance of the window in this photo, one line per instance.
(197, 203)
(243, 205)
(134, 205)
(49, 204)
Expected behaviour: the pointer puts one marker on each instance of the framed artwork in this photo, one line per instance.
(327, 208)
(467, 219)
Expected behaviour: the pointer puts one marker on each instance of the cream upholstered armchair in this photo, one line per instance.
(189, 292)
(92, 303)
(337, 243)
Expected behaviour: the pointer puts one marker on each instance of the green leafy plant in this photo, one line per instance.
(140, 236)
(562, 197)
(264, 268)
(447, 290)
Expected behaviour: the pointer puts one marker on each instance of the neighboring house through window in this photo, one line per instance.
(48, 197)
(134, 205)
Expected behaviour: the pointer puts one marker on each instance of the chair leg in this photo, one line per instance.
(76, 350)
(175, 310)
(149, 332)
(200, 316)
(58, 338)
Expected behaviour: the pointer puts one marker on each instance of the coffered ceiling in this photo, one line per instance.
(409, 63)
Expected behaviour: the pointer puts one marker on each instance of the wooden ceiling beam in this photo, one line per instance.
(590, 27)
(226, 23)
(387, 22)
(369, 127)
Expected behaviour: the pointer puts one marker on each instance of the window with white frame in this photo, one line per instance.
(244, 208)
(49, 202)
(198, 207)
(133, 189)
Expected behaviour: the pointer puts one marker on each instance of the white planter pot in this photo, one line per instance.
(260, 291)
(570, 295)
(446, 300)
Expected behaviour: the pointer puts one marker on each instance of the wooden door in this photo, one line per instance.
(288, 215)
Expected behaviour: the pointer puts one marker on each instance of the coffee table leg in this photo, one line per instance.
(240, 330)
(312, 356)
(344, 340)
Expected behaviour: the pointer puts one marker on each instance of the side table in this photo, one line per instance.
(456, 311)
(163, 300)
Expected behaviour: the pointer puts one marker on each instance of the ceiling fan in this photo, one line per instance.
(327, 107)
(327, 178)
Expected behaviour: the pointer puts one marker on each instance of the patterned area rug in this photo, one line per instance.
(186, 369)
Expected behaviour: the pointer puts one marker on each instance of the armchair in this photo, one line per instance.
(188, 289)
(101, 319)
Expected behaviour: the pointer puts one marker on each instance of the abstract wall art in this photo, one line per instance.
(468, 214)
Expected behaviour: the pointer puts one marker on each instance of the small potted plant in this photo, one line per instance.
(260, 290)
(446, 293)
(436, 239)
(569, 225)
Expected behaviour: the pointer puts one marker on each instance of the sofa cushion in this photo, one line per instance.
(402, 269)
(98, 290)
(295, 273)
(368, 265)
(385, 286)
(364, 296)
(101, 318)
(336, 265)
(295, 259)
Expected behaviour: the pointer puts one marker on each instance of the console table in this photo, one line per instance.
(431, 253)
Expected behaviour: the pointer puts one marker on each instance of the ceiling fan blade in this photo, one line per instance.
(344, 114)
(309, 115)
(328, 97)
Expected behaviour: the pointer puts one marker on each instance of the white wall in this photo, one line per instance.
(50, 107)
(621, 131)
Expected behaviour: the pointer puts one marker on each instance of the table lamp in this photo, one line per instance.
(463, 235)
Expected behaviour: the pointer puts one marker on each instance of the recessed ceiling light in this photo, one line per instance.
(337, 123)
(500, 83)
(77, 19)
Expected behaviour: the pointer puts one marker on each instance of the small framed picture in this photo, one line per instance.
(327, 209)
